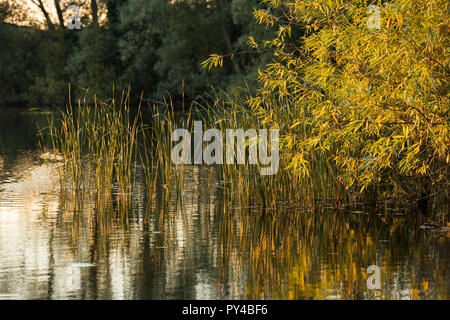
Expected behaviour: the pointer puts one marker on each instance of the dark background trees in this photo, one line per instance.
(153, 46)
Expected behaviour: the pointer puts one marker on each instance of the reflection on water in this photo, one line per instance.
(57, 247)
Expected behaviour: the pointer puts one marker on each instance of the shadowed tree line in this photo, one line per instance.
(155, 47)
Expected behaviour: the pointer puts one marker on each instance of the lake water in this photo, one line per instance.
(56, 247)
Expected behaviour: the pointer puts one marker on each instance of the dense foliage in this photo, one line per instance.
(357, 87)
(374, 100)
(155, 47)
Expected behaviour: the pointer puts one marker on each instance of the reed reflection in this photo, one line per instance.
(200, 238)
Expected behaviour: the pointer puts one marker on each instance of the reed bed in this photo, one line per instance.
(107, 147)
(98, 145)
(283, 189)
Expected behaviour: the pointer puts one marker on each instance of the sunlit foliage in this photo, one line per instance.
(375, 100)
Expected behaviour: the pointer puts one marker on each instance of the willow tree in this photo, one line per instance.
(367, 85)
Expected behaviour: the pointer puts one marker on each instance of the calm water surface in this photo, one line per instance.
(54, 247)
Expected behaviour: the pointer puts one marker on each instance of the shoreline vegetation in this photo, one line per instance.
(363, 114)
(105, 148)
(94, 206)
(362, 108)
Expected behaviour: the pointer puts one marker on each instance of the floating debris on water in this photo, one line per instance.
(434, 227)
(51, 157)
(81, 265)
(7, 296)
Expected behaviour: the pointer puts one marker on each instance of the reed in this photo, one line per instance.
(157, 145)
(244, 182)
(98, 145)
(106, 146)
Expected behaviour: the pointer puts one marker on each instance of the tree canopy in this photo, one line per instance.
(156, 47)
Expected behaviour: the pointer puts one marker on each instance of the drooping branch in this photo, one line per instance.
(94, 10)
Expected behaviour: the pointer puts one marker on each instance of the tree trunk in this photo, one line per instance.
(59, 13)
(113, 10)
(94, 10)
(46, 15)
